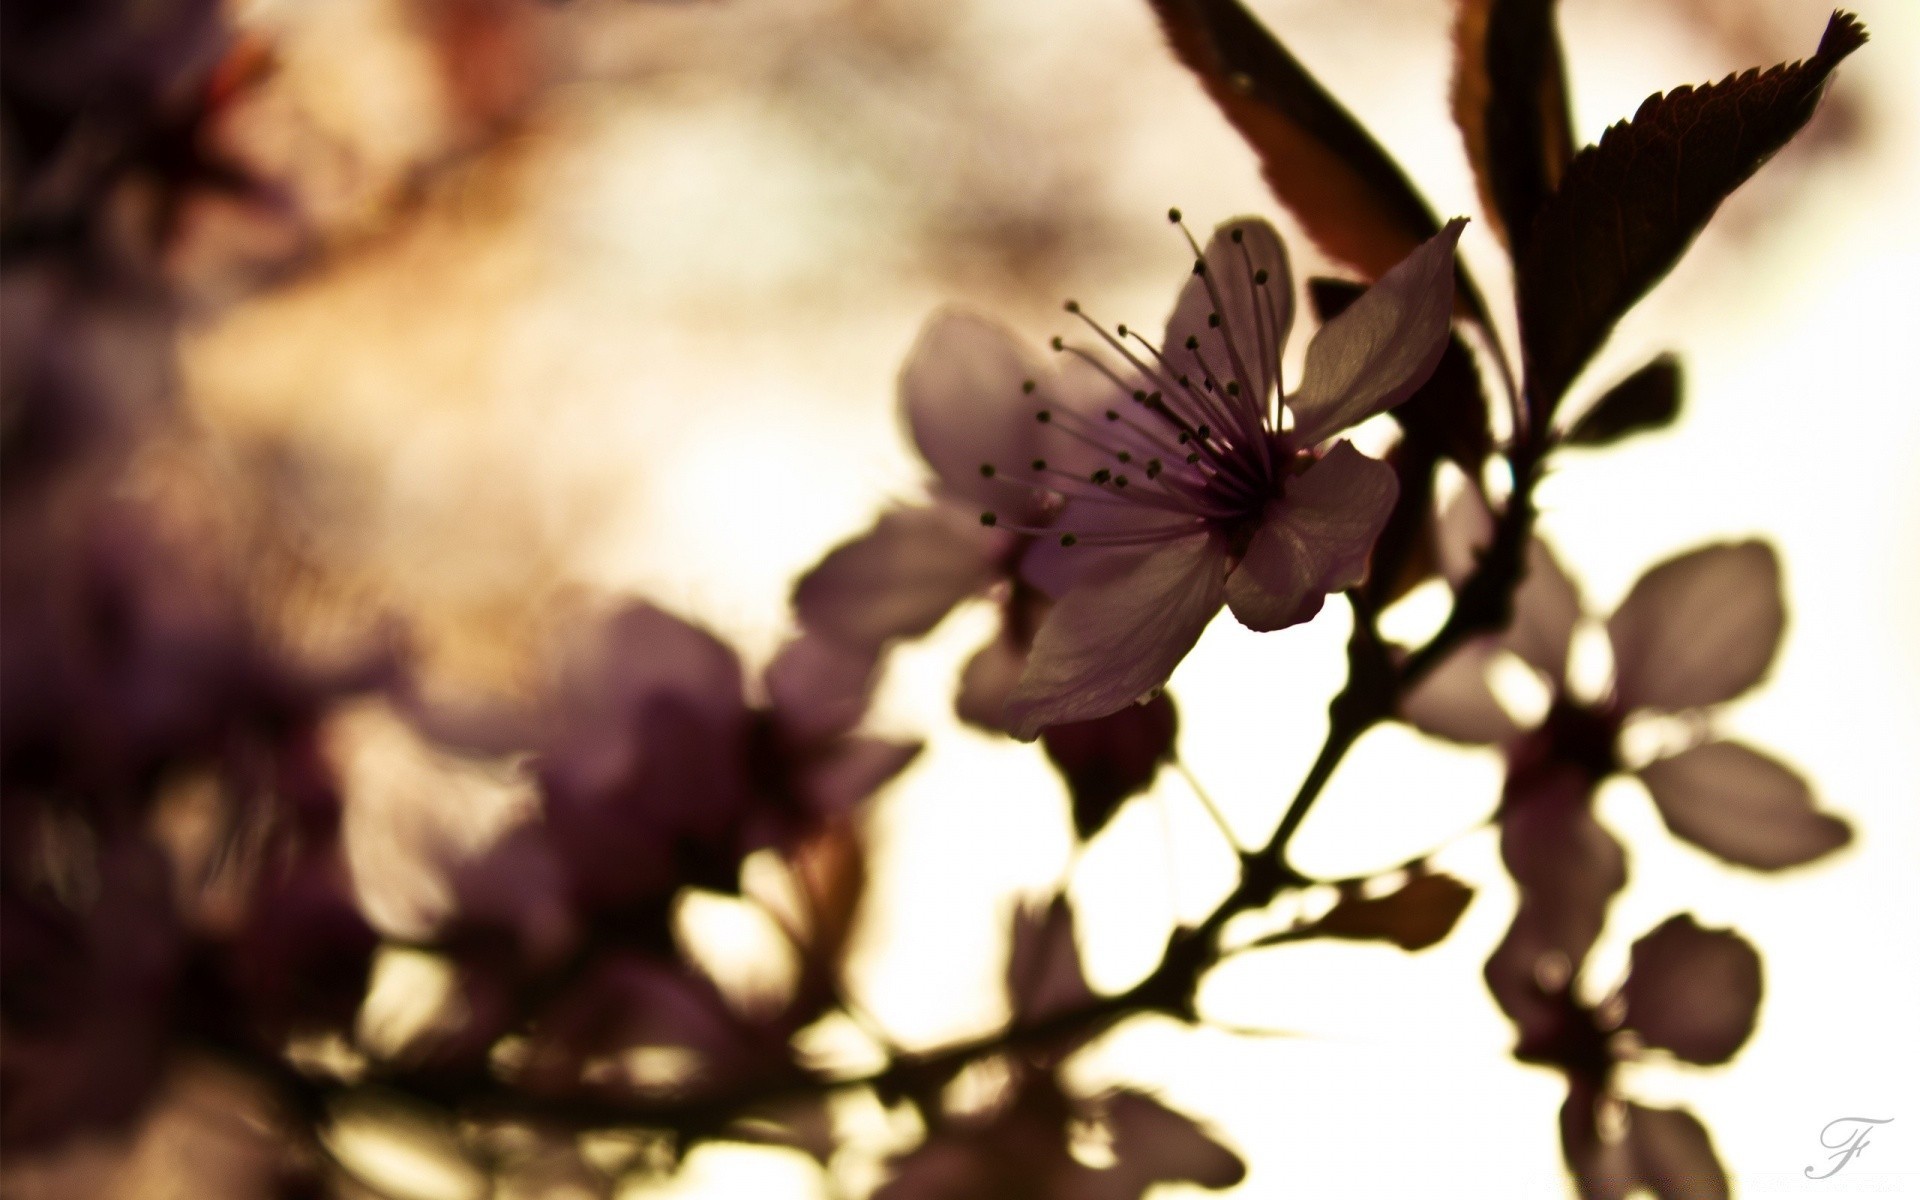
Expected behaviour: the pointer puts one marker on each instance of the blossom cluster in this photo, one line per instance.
(187, 892)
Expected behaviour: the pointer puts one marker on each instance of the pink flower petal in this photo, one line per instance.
(1673, 1155)
(1155, 1144)
(1743, 806)
(900, 578)
(820, 687)
(1566, 863)
(963, 392)
(1455, 702)
(1693, 991)
(850, 771)
(1383, 347)
(1044, 977)
(1119, 633)
(1546, 605)
(986, 682)
(1601, 1170)
(1700, 628)
(1255, 317)
(1315, 539)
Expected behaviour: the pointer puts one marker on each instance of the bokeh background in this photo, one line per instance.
(608, 297)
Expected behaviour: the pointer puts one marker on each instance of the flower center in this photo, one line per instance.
(1190, 440)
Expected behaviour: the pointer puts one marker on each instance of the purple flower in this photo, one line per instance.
(1690, 992)
(1695, 631)
(1166, 482)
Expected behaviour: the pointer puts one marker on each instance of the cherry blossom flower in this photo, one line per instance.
(1690, 992)
(1182, 486)
(1694, 632)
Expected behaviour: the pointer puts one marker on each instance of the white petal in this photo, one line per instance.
(1700, 628)
(1743, 806)
(1373, 355)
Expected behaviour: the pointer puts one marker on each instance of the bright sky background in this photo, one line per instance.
(664, 364)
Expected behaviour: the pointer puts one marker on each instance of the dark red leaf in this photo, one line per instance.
(1510, 101)
(1422, 912)
(1647, 399)
(1627, 208)
(1110, 758)
(1352, 198)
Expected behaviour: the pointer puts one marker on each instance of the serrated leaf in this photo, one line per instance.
(1647, 399)
(1628, 207)
(1351, 197)
(1110, 758)
(1417, 915)
(1510, 102)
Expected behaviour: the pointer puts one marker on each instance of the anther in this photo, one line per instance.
(1173, 216)
(1213, 320)
(1238, 237)
(1193, 343)
(1073, 306)
(1199, 266)
(1112, 415)
(1192, 458)
(1154, 467)
(988, 519)
(1026, 388)
(1124, 456)
(1260, 276)
(1101, 476)
(1139, 396)
(1043, 416)
(1233, 387)
(1067, 539)
(986, 470)
(1119, 481)
(1059, 343)
(1121, 330)
(1039, 464)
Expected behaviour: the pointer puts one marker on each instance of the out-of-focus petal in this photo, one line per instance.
(1693, 991)
(1531, 979)
(1566, 863)
(900, 578)
(820, 686)
(1743, 806)
(643, 653)
(965, 395)
(1315, 539)
(1255, 316)
(1673, 1155)
(1601, 1170)
(853, 769)
(1455, 702)
(1110, 758)
(986, 682)
(1044, 977)
(1383, 347)
(1116, 636)
(1700, 628)
(1158, 1145)
(1546, 607)
(1546, 604)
